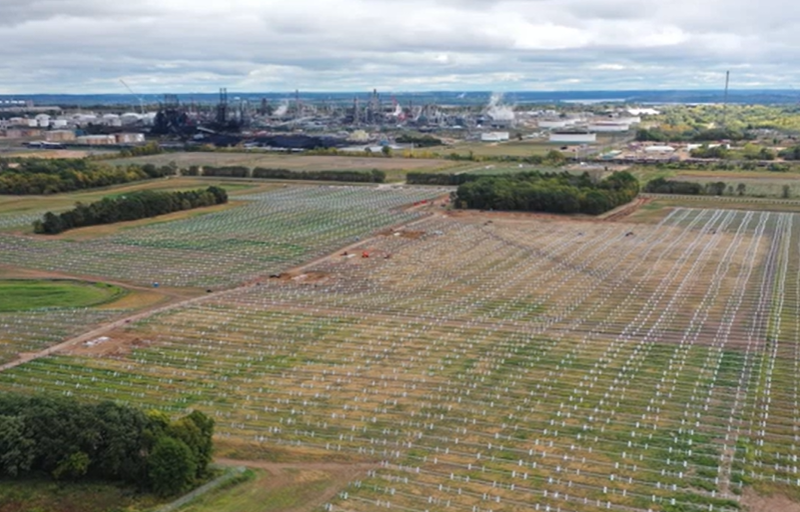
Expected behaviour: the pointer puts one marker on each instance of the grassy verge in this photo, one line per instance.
(292, 489)
(49, 496)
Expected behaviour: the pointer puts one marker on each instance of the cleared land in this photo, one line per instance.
(514, 365)
(22, 295)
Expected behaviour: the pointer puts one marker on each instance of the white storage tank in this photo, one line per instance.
(573, 137)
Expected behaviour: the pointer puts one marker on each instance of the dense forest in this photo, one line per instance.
(51, 176)
(133, 206)
(548, 192)
(69, 440)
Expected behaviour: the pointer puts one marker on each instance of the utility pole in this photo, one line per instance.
(725, 100)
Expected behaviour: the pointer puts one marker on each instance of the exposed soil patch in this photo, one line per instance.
(113, 344)
(403, 233)
(774, 503)
(310, 277)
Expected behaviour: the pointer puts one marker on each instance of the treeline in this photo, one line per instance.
(715, 188)
(133, 206)
(723, 165)
(553, 158)
(440, 178)
(366, 176)
(750, 151)
(151, 148)
(231, 171)
(663, 186)
(69, 440)
(709, 135)
(792, 153)
(419, 140)
(548, 192)
(51, 176)
(373, 176)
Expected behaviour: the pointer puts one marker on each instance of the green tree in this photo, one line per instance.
(741, 188)
(17, 447)
(171, 467)
(73, 467)
(387, 151)
(195, 431)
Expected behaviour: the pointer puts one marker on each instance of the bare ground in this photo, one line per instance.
(115, 344)
(773, 503)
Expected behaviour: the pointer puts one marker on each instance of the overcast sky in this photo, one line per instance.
(86, 46)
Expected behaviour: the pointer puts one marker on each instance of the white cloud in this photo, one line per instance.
(85, 46)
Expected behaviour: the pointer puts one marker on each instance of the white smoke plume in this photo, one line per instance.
(281, 110)
(497, 111)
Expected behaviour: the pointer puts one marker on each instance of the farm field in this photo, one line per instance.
(757, 183)
(517, 364)
(516, 147)
(511, 148)
(395, 168)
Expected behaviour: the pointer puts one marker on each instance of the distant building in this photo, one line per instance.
(23, 133)
(659, 149)
(643, 112)
(495, 136)
(42, 121)
(554, 124)
(573, 137)
(96, 140)
(129, 138)
(60, 136)
(609, 127)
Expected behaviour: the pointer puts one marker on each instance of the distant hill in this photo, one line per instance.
(766, 96)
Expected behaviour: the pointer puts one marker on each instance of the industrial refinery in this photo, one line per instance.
(297, 121)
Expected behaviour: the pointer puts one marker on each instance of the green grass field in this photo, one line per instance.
(23, 295)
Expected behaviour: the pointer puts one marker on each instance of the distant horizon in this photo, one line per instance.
(732, 90)
(449, 97)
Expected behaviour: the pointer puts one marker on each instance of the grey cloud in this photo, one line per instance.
(182, 45)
